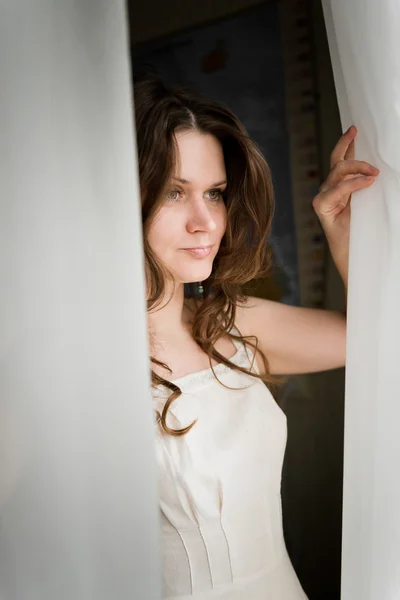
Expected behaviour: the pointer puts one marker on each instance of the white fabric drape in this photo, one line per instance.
(78, 501)
(364, 38)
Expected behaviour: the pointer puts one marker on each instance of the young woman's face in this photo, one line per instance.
(187, 230)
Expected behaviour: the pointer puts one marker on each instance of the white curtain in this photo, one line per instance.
(364, 38)
(78, 501)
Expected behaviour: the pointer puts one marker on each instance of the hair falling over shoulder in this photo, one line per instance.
(160, 112)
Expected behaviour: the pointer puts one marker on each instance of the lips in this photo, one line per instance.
(199, 251)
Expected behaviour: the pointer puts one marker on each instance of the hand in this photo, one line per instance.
(333, 202)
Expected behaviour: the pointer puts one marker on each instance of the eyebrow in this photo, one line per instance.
(186, 182)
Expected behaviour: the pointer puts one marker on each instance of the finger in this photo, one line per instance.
(344, 168)
(341, 194)
(339, 151)
(350, 152)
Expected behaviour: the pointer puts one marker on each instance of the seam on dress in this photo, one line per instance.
(186, 550)
(208, 558)
(227, 547)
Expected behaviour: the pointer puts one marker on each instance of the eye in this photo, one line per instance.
(215, 195)
(173, 195)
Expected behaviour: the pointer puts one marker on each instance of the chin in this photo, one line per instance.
(191, 271)
(193, 276)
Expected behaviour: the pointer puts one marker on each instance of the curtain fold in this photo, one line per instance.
(78, 499)
(364, 39)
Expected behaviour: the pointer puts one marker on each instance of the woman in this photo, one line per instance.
(207, 205)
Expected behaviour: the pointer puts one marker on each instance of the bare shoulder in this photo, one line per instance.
(263, 318)
(254, 312)
(294, 339)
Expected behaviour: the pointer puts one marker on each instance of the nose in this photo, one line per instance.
(200, 217)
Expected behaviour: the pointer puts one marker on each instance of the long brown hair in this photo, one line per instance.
(160, 112)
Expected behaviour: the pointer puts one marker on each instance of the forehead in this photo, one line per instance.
(199, 157)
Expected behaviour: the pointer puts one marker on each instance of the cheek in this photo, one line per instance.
(162, 233)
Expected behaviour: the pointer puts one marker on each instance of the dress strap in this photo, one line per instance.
(249, 359)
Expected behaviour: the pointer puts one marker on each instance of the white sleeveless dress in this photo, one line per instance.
(219, 487)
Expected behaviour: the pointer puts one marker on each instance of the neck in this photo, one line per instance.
(170, 316)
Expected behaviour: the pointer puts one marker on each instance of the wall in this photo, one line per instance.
(156, 18)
